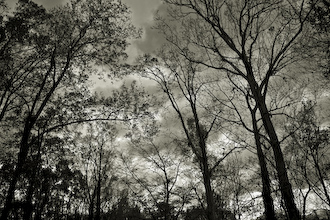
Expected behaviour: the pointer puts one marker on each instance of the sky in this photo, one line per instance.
(143, 17)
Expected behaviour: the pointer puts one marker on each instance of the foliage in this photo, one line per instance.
(309, 154)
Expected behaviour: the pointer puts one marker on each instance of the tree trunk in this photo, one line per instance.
(266, 190)
(28, 207)
(285, 186)
(43, 204)
(304, 202)
(167, 200)
(98, 189)
(36, 162)
(98, 199)
(210, 209)
(23, 153)
(91, 210)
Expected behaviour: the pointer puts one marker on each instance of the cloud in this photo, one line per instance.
(151, 40)
(46, 3)
(50, 3)
(143, 12)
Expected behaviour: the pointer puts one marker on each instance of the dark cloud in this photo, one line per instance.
(51, 3)
(46, 3)
(152, 40)
(143, 12)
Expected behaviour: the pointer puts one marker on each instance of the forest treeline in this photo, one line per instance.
(228, 119)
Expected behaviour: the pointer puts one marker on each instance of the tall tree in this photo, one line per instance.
(180, 81)
(53, 49)
(250, 40)
(95, 156)
(236, 100)
(159, 172)
(266, 184)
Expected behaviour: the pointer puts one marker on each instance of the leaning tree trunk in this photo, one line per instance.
(29, 123)
(285, 186)
(210, 209)
(266, 190)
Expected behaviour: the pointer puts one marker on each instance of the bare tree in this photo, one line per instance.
(181, 82)
(158, 171)
(235, 37)
(236, 116)
(95, 157)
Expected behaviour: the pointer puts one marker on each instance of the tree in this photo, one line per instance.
(316, 44)
(236, 100)
(248, 40)
(125, 210)
(266, 184)
(96, 153)
(320, 15)
(156, 177)
(308, 149)
(52, 50)
(180, 81)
